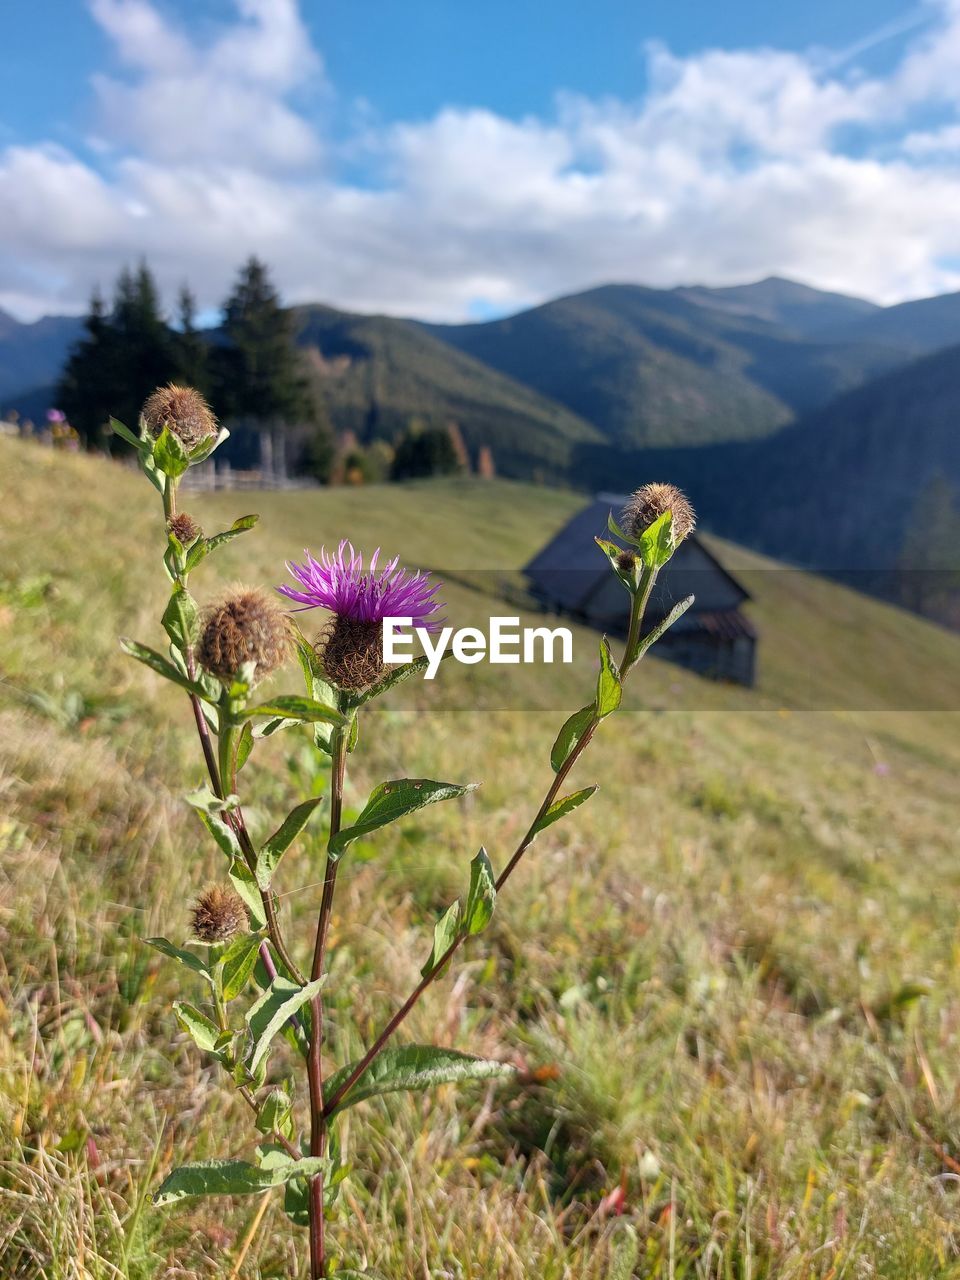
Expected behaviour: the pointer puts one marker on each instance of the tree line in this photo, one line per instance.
(248, 368)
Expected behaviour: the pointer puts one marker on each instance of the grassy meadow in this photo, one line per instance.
(733, 974)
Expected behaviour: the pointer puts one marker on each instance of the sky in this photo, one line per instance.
(456, 160)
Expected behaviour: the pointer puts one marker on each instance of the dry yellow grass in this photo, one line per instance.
(741, 957)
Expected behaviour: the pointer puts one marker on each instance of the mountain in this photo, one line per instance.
(373, 374)
(32, 355)
(924, 325)
(794, 306)
(655, 367)
(840, 488)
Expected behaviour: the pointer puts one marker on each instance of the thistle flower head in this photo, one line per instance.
(184, 528)
(650, 502)
(626, 561)
(351, 646)
(183, 411)
(218, 914)
(247, 626)
(341, 584)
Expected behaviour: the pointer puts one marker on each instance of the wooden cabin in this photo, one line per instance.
(572, 577)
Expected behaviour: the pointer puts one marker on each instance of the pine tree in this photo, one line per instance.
(120, 360)
(87, 384)
(258, 375)
(191, 350)
(259, 385)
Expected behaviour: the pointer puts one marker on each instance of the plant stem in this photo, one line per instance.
(318, 1120)
(223, 781)
(631, 656)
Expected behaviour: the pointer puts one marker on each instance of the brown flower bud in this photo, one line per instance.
(247, 626)
(218, 914)
(182, 411)
(650, 502)
(184, 528)
(351, 652)
(626, 562)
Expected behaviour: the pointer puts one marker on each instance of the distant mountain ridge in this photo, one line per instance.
(655, 367)
(32, 355)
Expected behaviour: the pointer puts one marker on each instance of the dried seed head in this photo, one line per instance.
(184, 528)
(183, 411)
(626, 562)
(650, 502)
(247, 626)
(218, 914)
(351, 651)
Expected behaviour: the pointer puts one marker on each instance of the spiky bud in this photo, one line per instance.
(650, 502)
(184, 528)
(351, 651)
(247, 626)
(626, 562)
(183, 411)
(218, 914)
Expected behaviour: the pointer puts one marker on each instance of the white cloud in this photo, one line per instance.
(732, 166)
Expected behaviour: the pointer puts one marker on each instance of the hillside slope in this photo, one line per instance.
(835, 490)
(734, 973)
(655, 367)
(372, 374)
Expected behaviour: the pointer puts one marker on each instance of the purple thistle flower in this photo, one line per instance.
(341, 584)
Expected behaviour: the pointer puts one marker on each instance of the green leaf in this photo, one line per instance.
(203, 1031)
(169, 454)
(204, 800)
(222, 832)
(618, 532)
(118, 429)
(232, 1178)
(276, 1114)
(628, 576)
(238, 963)
(200, 452)
(244, 745)
(274, 1007)
(291, 706)
(245, 883)
(162, 666)
(609, 689)
(655, 544)
(676, 612)
(415, 1067)
(203, 546)
(392, 800)
(273, 849)
(186, 958)
(482, 895)
(569, 737)
(445, 933)
(560, 808)
(181, 618)
(394, 677)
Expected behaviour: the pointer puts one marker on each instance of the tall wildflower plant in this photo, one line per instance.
(256, 995)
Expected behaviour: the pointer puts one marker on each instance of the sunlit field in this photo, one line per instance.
(731, 979)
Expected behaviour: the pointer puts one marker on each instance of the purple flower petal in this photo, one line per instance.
(340, 583)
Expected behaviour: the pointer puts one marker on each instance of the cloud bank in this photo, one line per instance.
(733, 165)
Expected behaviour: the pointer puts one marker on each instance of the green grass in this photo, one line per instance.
(716, 964)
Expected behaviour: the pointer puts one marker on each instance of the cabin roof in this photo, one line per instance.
(570, 567)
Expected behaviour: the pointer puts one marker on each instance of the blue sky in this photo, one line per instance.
(446, 159)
